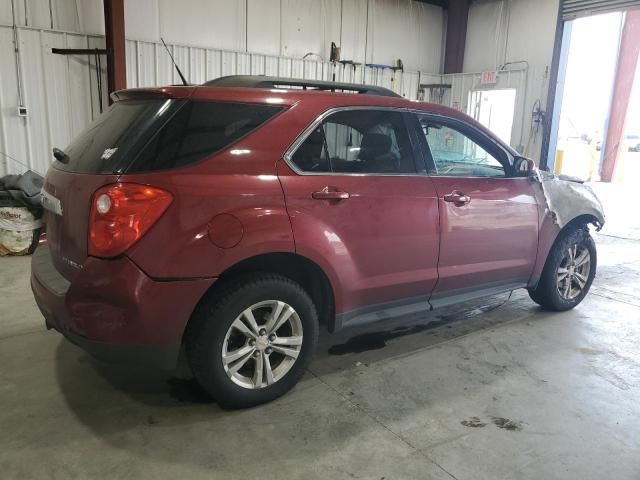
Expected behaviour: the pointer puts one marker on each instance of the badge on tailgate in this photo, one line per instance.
(50, 202)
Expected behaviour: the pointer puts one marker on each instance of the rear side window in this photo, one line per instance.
(198, 130)
(159, 133)
(358, 141)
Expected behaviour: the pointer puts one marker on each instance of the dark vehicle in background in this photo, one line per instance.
(234, 219)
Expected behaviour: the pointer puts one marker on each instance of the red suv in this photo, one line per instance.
(234, 219)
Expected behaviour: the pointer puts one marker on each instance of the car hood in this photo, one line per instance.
(568, 198)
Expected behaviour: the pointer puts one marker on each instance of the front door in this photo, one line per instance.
(488, 216)
(360, 210)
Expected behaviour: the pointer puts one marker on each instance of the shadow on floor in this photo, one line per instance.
(407, 333)
(128, 407)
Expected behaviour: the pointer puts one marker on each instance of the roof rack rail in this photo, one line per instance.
(259, 81)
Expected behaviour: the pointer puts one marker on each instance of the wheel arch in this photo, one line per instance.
(581, 221)
(298, 268)
(547, 244)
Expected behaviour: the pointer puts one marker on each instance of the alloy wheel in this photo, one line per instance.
(573, 273)
(262, 344)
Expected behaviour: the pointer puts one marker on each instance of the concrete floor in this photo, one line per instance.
(494, 390)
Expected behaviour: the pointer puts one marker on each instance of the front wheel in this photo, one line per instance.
(252, 341)
(568, 273)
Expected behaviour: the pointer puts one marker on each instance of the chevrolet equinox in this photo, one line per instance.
(234, 219)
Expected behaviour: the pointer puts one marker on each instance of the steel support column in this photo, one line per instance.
(554, 96)
(114, 34)
(625, 70)
(457, 17)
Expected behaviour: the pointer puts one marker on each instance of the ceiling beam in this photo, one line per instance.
(457, 17)
(437, 3)
(115, 43)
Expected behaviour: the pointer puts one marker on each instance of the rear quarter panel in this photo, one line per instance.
(241, 182)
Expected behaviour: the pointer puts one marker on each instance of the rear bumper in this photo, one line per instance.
(158, 357)
(114, 311)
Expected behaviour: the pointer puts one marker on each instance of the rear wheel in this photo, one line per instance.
(568, 273)
(252, 341)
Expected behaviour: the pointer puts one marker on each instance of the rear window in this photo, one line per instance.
(157, 134)
(115, 134)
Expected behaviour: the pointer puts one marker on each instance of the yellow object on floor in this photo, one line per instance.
(557, 166)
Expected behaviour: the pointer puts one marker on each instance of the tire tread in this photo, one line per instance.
(545, 293)
(203, 326)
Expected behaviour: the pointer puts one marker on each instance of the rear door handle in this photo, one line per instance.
(457, 198)
(328, 193)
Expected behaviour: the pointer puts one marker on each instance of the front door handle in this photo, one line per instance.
(457, 198)
(328, 193)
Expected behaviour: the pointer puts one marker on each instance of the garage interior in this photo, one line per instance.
(496, 389)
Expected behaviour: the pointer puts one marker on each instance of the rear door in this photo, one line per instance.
(360, 209)
(488, 215)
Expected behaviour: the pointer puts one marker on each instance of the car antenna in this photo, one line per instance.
(184, 80)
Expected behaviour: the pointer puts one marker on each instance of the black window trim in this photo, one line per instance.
(482, 139)
(300, 139)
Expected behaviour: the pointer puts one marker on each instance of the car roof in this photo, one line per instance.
(314, 99)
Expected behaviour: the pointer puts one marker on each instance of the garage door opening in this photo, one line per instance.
(590, 59)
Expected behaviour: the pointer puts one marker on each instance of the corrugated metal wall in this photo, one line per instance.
(61, 92)
(148, 64)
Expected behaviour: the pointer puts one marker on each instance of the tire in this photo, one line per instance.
(551, 293)
(210, 335)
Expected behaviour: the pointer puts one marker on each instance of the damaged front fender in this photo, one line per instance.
(561, 200)
(567, 198)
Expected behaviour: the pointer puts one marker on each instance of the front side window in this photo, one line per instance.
(456, 154)
(358, 141)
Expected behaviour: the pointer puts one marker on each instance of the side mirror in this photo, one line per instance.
(524, 167)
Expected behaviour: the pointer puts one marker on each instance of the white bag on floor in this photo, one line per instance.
(16, 230)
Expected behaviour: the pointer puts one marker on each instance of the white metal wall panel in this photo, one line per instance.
(5, 13)
(38, 13)
(141, 18)
(37, 135)
(91, 15)
(61, 92)
(392, 29)
(146, 64)
(201, 23)
(65, 15)
(411, 31)
(257, 25)
(263, 27)
(13, 135)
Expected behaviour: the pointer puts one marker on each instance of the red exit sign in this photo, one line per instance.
(489, 77)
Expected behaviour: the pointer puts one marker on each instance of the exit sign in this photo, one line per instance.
(489, 77)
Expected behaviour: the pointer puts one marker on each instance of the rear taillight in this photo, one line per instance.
(121, 214)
